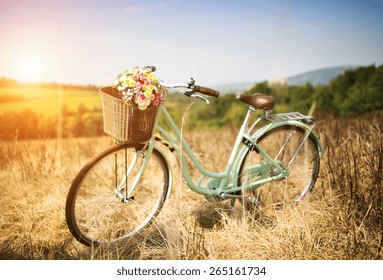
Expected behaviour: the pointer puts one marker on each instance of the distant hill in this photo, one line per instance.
(315, 77)
(318, 77)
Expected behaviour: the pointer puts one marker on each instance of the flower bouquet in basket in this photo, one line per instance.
(130, 105)
(139, 86)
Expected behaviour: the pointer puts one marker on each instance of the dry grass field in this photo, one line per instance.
(341, 219)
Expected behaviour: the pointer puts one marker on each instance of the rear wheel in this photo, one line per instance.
(281, 143)
(101, 207)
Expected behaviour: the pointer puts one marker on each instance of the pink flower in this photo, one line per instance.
(141, 96)
(140, 77)
(138, 86)
(157, 99)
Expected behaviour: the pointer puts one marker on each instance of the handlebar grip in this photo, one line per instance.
(207, 91)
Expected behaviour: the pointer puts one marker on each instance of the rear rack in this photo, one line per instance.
(292, 116)
(309, 120)
(288, 116)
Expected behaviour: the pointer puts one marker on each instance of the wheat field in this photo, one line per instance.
(342, 218)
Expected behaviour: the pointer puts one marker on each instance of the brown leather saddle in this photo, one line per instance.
(257, 100)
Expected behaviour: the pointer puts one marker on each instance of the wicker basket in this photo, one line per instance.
(126, 123)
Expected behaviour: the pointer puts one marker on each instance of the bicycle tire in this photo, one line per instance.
(96, 215)
(303, 171)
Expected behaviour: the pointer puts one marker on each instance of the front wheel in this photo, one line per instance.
(281, 144)
(101, 207)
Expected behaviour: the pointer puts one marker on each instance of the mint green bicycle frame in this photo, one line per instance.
(226, 182)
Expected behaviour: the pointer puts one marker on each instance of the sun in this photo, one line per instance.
(29, 70)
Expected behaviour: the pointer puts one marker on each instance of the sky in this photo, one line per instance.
(216, 42)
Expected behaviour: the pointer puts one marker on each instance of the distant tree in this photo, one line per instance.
(262, 87)
(354, 92)
(79, 128)
(280, 91)
(324, 99)
(6, 82)
(300, 98)
(375, 84)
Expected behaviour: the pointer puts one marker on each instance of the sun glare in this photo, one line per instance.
(29, 70)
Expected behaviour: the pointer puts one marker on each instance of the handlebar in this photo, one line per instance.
(206, 91)
(189, 89)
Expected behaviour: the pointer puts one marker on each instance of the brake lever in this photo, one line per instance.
(200, 97)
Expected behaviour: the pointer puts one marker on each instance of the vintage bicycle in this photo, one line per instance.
(119, 192)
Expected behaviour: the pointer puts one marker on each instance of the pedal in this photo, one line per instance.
(227, 195)
(243, 196)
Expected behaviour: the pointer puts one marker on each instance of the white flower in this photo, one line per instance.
(142, 103)
(148, 94)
